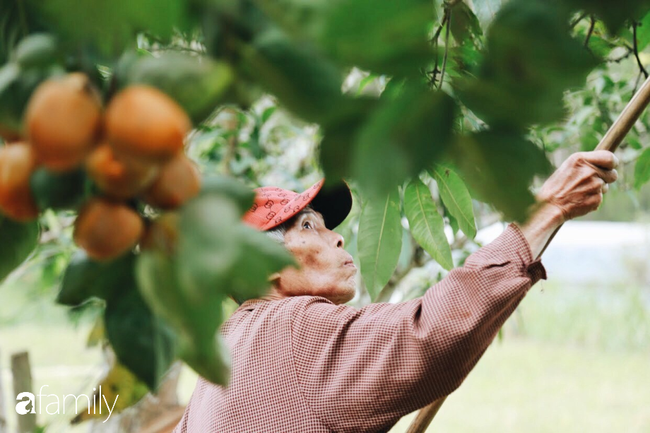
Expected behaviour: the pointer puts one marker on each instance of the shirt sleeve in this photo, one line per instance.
(362, 370)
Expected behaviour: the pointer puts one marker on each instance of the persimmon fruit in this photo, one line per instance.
(142, 122)
(17, 163)
(63, 121)
(178, 181)
(116, 177)
(106, 229)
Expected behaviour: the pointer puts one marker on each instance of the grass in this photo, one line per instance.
(537, 387)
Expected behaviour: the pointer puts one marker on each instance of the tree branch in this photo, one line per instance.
(636, 49)
(444, 59)
(591, 30)
(577, 20)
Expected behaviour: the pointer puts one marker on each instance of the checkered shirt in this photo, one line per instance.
(304, 364)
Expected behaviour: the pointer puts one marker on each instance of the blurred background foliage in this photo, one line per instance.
(465, 105)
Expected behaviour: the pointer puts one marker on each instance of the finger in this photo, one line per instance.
(601, 158)
(608, 176)
(605, 188)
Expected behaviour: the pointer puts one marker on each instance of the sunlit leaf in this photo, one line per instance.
(486, 10)
(456, 198)
(426, 224)
(642, 169)
(380, 241)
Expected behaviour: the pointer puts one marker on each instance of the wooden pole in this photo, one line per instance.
(22, 375)
(610, 141)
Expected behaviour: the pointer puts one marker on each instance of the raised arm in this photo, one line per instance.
(361, 370)
(575, 189)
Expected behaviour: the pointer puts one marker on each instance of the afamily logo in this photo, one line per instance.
(27, 403)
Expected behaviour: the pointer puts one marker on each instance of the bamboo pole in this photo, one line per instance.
(612, 139)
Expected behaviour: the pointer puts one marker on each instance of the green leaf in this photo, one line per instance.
(141, 341)
(427, 226)
(196, 83)
(18, 240)
(531, 60)
(390, 39)
(339, 137)
(194, 323)
(306, 83)
(37, 51)
(380, 241)
(393, 147)
(642, 169)
(85, 278)
(500, 166)
(223, 255)
(456, 198)
(111, 26)
(16, 87)
(465, 27)
(58, 191)
(198, 257)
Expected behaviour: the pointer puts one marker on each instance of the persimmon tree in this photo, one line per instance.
(458, 107)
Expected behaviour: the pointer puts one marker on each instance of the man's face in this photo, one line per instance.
(326, 269)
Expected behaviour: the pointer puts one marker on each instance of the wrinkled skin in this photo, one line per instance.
(577, 186)
(326, 269)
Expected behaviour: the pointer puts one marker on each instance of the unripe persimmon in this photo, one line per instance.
(178, 181)
(142, 122)
(119, 178)
(17, 162)
(63, 121)
(107, 229)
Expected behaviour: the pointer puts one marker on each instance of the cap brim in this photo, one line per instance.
(333, 202)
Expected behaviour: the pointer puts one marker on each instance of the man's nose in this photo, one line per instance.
(338, 240)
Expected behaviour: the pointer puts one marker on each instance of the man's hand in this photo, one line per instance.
(575, 189)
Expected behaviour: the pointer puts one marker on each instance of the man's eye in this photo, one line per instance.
(307, 225)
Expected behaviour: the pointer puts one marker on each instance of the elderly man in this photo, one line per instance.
(305, 362)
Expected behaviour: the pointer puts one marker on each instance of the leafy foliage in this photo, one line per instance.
(196, 259)
(474, 96)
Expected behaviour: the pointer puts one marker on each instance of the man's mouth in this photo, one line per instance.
(349, 263)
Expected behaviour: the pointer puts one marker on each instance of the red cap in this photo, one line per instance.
(273, 206)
